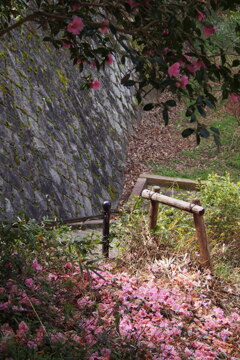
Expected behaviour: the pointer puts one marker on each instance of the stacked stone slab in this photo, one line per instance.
(62, 150)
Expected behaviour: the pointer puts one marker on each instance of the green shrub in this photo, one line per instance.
(175, 232)
(24, 241)
(221, 198)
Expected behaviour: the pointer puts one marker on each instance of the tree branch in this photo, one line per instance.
(32, 17)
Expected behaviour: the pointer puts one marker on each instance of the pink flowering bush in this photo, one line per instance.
(181, 50)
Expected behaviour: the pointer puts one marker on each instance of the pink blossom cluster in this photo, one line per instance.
(175, 70)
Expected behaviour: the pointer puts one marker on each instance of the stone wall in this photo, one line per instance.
(62, 150)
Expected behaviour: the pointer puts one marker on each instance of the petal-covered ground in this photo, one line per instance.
(69, 315)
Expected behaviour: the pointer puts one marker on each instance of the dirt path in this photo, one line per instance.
(152, 141)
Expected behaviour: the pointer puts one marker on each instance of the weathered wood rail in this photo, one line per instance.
(146, 180)
(193, 207)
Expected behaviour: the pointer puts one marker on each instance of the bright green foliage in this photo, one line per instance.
(175, 231)
(221, 198)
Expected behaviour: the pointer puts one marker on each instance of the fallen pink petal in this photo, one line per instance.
(234, 96)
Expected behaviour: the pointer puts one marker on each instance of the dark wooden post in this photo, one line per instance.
(106, 221)
(153, 210)
(202, 238)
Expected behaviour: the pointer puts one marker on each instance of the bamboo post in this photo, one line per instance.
(106, 221)
(153, 210)
(202, 237)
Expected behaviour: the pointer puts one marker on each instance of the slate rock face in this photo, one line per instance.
(62, 150)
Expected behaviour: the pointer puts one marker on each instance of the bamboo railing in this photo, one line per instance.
(193, 207)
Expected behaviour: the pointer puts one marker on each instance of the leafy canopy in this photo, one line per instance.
(169, 44)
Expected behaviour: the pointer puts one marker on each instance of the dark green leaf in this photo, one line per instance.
(47, 38)
(165, 116)
(201, 111)
(209, 104)
(190, 110)
(235, 63)
(213, 4)
(215, 130)
(113, 29)
(187, 132)
(193, 118)
(225, 94)
(198, 139)
(129, 83)
(237, 49)
(125, 78)
(216, 139)
(148, 107)
(170, 103)
(199, 100)
(203, 132)
(139, 98)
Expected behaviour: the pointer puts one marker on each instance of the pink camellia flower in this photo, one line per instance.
(209, 30)
(165, 32)
(184, 81)
(36, 265)
(133, 4)
(76, 7)
(188, 352)
(148, 52)
(234, 97)
(196, 65)
(104, 27)
(68, 265)
(75, 26)
(200, 15)
(95, 84)
(166, 50)
(174, 70)
(66, 45)
(109, 59)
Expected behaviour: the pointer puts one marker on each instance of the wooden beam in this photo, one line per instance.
(170, 181)
(140, 185)
(179, 204)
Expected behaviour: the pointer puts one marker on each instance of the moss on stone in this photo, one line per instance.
(112, 191)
